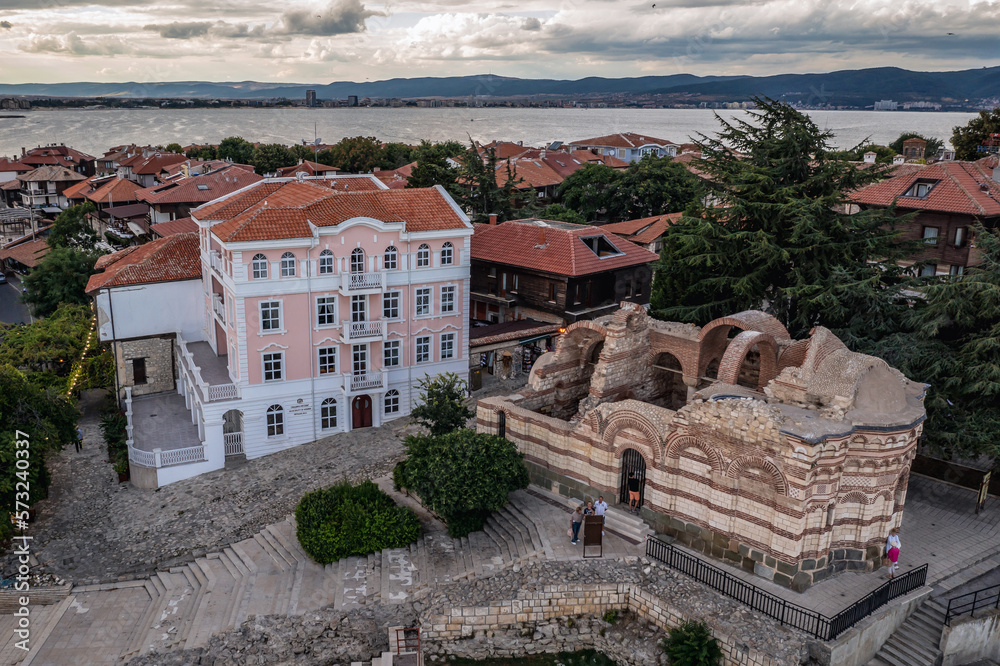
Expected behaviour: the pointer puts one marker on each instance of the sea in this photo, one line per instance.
(95, 130)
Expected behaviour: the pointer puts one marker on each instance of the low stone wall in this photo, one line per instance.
(970, 639)
(10, 599)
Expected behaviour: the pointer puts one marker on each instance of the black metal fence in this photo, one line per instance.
(785, 612)
(988, 597)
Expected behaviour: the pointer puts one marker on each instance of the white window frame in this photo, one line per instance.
(331, 317)
(388, 308)
(422, 341)
(354, 262)
(423, 256)
(390, 258)
(326, 263)
(328, 414)
(288, 265)
(447, 254)
(418, 294)
(391, 402)
(275, 421)
(258, 267)
(391, 354)
(448, 343)
(330, 354)
(277, 363)
(279, 328)
(448, 304)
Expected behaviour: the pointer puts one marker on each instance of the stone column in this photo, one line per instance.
(692, 385)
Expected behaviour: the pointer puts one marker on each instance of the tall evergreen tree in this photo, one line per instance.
(480, 195)
(432, 168)
(777, 238)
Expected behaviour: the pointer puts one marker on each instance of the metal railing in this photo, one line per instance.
(987, 597)
(233, 443)
(363, 330)
(785, 612)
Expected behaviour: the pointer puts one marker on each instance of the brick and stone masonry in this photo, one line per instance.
(157, 352)
(787, 457)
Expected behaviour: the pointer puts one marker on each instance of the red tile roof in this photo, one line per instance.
(534, 173)
(13, 165)
(480, 336)
(553, 247)
(153, 164)
(78, 190)
(183, 225)
(200, 189)
(27, 253)
(960, 187)
(115, 191)
(644, 230)
(168, 259)
(234, 204)
(275, 210)
(310, 168)
(505, 149)
(588, 156)
(50, 174)
(623, 140)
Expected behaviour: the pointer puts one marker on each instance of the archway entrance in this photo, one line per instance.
(232, 432)
(632, 463)
(361, 412)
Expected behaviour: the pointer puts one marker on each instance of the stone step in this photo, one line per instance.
(519, 550)
(154, 587)
(908, 654)
(232, 568)
(43, 621)
(166, 623)
(529, 526)
(485, 554)
(398, 575)
(499, 541)
(278, 537)
(187, 607)
(285, 530)
(313, 588)
(519, 501)
(244, 557)
(354, 582)
(265, 544)
(241, 600)
(374, 573)
(216, 608)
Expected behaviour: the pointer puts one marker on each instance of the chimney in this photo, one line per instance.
(541, 236)
(542, 155)
(493, 219)
(23, 153)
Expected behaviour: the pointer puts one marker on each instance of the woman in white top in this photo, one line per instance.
(892, 551)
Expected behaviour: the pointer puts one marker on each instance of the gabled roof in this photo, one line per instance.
(27, 253)
(623, 140)
(534, 173)
(179, 226)
(50, 174)
(288, 210)
(239, 201)
(504, 149)
(958, 187)
(644, 230)
(200, 189)
(114, 191)
(161, 260)
(553, 247)
(79, 190)
(14, 165)
(308, 167)
(589, 157)
(154, 163)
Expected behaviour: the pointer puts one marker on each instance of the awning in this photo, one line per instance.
(128, 211)
(136, 228)
(52, 209)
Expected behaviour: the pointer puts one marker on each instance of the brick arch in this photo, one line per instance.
(854, 497)
(626, 420)
(571, 335)
(737, 466)
(794, 355)
(736, 352)
(683, 359)
(748, 320)
(680, 444)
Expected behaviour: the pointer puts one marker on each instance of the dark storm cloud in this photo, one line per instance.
(6, 25)
(338, 18)
(179, 30)
(531, 24)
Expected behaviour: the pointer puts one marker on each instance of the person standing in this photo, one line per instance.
(79, 439)
(589, 509)
(577, 518)
(599, 509)
(633, 493)
(892, 551)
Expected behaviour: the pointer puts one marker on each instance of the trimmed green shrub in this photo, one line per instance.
(692, 644)
(345, 521)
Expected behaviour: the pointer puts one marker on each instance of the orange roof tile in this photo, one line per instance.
(78, 190)
(179, 226)
(155, 163)
(959, 187)
(233, 204)
(308, 167)
(553, 247)
(644, 230)
(27, 253)
(623, 140)
(115, 191)
(167, 259)
(200, 189)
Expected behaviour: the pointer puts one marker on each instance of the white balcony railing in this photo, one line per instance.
(219, 306)
(233, 442)
(216, 262)
(365, 281)
(357, 331)
(181, 456)
(369, 381)
(209, 393)
(157, 457)
(223, 392)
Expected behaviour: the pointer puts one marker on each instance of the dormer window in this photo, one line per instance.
(921, 189)
(601, 246)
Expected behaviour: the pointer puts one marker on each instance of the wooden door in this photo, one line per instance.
(361, 412)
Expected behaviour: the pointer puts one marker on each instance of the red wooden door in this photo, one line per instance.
(361, 412)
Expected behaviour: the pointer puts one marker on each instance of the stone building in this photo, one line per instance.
(788, 457)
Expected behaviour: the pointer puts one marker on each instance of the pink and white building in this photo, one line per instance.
(323, 302)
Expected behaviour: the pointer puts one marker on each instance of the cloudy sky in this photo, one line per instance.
(321, 41)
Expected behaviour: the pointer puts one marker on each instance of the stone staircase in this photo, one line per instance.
(270, 574)
(917, 641)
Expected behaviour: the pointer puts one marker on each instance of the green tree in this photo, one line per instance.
(395, 155)
(656, 186)
(202, 153)
(269, 157)
(237, 149)
(967, 138)
(480, 193)
(359, 154)
(560, 213)
(51, 344)
(462, 476)
(442, 403)
(778, 240)
(72, 229)
(303, 152)
(593, 192)
(692, 644)
(61, 277)
(934, 145)
(432, 168)
(883, 154)
(174, 148)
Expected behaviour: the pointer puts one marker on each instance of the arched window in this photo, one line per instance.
(358, 260)
(389, 260)
(275, 421)
(325, 262)
(288, 265)
(829, 515)
(423, 256)
(447, 254)
(328, 414)
(259, 264)
(392, 402)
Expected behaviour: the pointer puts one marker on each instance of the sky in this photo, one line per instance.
(317, 41)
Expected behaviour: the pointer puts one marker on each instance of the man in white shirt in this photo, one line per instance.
(599, 508)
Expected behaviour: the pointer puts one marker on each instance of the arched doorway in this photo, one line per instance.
(361, 412)
(669, 389)
(632, 463)
(232, 432)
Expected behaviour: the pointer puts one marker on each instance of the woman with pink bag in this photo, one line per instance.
(892, 551)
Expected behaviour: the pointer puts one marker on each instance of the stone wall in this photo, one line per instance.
(970, 639)
(159, 355)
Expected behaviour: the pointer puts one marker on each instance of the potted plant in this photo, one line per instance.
(121, 467)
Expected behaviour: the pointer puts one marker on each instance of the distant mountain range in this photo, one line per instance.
(846, 87)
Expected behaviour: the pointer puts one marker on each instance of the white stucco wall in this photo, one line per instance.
(153, 309)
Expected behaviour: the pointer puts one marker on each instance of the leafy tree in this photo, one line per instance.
(692, 644)
(202, 153)
(778, 240)
(442, 403)
(593, 193)
(560, 213)
(462, 476)
(432, 168)
(237, 149)
(395, 155)
(480, 194)
(967, 138)
(47, 345)
(934, 145)
(61, 277)
(269, 157)
(303, 152)
(883, 154)
(656, 186)
(174, 148)
(359, 154)
(71, 228)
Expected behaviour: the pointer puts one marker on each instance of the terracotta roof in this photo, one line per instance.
(162, 260)
(959, 187)
(623, 140)
(534, 173)
(200, 189)
(127, 211)
(231, 205)
(78, 190)
(27, 253)
(64, 151)
(154, 163)
(504, 149)
(11, 185)
(553, 247)
(13, 165)
(491, 334)
(310, 168)
(644, 230)
(288, 210)
(182, 225)
(49, 174)
(115, 191)
(589, 156)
